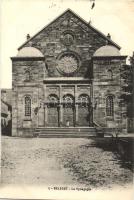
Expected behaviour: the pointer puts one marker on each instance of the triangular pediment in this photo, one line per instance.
(68, 19)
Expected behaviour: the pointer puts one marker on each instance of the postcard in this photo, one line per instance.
(67, 99)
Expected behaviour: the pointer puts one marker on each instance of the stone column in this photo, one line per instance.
(76, 114)
(41, 116)
(60, 106)
(60, 115)
(76, 106)
(45, 107)
(15, 113)
(76, 93)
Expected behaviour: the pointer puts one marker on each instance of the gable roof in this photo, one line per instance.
(82, 20)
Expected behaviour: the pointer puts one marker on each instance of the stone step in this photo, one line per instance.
(65, 132)
(62, 135)
(66, 129)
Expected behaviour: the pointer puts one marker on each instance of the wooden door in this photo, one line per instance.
(53, 116)
(68, 116)
(83, 116)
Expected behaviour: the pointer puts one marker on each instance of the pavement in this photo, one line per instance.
(61, 161)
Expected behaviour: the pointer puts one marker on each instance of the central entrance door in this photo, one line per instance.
(84, 114)
(53, 111)
(53, 116)
(68, 116)
(68, 111)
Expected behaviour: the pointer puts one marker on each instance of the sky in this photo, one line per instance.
(20, 17)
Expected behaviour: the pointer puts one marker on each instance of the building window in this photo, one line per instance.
(53, 100)
(110, 106)
(83, 100)
(68, 100)
(27, 106)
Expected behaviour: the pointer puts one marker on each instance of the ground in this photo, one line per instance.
(61, 161)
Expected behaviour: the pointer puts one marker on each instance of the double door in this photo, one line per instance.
(53, 116)
(68, 116)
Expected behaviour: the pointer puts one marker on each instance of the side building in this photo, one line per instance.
(6, 112)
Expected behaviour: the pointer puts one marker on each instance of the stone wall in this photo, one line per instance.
(107, 81)
(51, 42)
(68, 33)
(22, 87)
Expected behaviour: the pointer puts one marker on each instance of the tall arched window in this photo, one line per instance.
(27, 106)
(110, 106)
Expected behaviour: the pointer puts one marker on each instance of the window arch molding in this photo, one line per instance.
(110, 105)
(83, 100)
(84, 96)
(53, 99)
(68, 99)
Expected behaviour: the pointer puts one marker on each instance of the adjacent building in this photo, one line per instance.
(6, 111)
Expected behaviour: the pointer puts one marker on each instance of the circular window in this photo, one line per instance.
(68, 63)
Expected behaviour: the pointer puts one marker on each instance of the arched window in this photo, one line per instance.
(53, 100)
(110, 106)
(83, 100)
(27, 106)
(68, 100)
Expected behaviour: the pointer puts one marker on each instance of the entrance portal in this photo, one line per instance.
(68, 111)
(53, 111)
(83, 110)
(83, 116)
(68, 116)
(53, 116)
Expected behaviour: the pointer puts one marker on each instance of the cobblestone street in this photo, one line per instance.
(61, 161)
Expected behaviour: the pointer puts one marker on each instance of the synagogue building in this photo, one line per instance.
(68, 75)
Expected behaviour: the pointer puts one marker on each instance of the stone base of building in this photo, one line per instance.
(72, 132)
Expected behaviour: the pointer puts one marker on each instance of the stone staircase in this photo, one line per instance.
(68, 132)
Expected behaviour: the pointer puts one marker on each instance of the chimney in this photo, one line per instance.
(28, 36)
(109, 36)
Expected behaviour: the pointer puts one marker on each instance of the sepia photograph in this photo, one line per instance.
(67, 99)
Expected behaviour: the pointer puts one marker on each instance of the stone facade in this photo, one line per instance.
(58, 81)
(107, 82)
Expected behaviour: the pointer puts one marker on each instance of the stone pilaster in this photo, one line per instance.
(14, 113)
(45, 107)
(60, 115)
(76, 114)
(41, 116)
